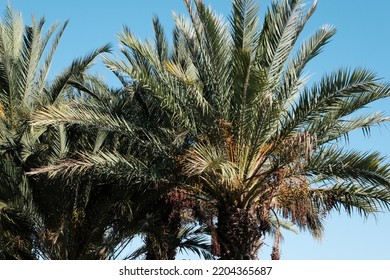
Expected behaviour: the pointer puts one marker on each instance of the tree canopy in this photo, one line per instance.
(211, 143)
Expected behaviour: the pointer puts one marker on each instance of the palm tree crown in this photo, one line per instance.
(26, 54)
(263, 143)
(240, 124)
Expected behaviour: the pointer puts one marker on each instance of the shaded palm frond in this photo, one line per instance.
(366, 168)
(350, 198)
(326, 98)
(194, 239)
(104, 164)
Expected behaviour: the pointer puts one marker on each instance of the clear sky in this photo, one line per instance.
(363, 39)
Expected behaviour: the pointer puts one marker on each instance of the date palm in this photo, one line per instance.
(96, 215)
(26, 53)
(262, 143)
(132, 148)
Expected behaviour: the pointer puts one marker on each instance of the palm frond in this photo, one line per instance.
(193, 239)
(350, 197)
(79, 113)
(103, 164)
(77, 68)
(60, 144)
(212, 39)
(365, 168)
(244, 22)
(328, 129)
(292, 80)
(44, 71)
(275, 33)
(160, 40)
(327, 97)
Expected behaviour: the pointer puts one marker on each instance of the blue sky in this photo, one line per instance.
(363, 39)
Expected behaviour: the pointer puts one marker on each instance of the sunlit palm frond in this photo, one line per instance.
(160, 40)
(292, 80)
(244, 23)
(206, 160)
(276, 32)
(209, 40)
(78, 67)
(78, 113)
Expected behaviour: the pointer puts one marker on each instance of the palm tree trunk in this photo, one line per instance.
(238, 234)
(160, 249)
(161, 241)
(275, 254)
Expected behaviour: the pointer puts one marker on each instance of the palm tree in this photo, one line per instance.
(130, 150)
(87, 216)
(26, 53)
(262, 145)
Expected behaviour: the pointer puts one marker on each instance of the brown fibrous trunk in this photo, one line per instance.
(238, 234)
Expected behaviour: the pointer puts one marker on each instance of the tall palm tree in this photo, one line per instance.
(262, 145)
(131, 151)
(95, 215)
(26, 53)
